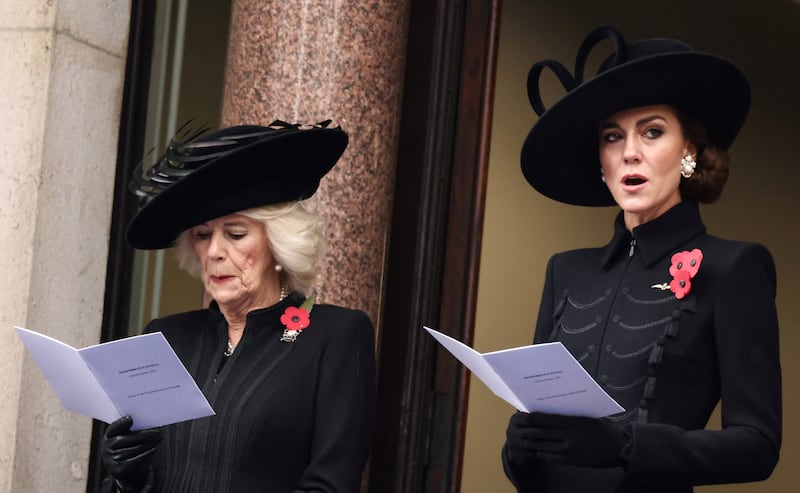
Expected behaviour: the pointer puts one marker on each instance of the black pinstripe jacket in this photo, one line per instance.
(290, 417)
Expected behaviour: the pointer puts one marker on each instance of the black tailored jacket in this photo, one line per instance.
(290, 417)
(669, 361)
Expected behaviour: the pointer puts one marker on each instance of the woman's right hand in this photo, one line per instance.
(560, 439)
(519, 449)
(126, 455)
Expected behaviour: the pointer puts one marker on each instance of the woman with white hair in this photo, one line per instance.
(291, 381)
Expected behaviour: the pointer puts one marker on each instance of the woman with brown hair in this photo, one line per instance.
(667, 318)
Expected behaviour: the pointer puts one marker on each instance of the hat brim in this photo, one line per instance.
(560, 154)
(285, 167)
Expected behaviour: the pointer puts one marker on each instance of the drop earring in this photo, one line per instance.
(602, 175)
(688, 164)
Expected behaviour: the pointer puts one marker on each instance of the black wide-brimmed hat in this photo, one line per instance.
(560, 155)
(202, 176)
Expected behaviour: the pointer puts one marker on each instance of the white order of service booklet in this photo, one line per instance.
(140, 376)
(540, 377)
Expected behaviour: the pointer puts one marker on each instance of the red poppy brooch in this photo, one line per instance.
(684, 267)
(296, 319)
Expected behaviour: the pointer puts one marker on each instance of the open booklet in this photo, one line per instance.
(542, 377)
(140, 376)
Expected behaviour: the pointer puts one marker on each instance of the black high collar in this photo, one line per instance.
(659, 237)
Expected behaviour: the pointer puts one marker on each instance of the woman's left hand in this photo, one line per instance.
(579, 441)
(126, 455)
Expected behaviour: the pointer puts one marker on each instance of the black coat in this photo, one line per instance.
(669, 361)
(290, 417)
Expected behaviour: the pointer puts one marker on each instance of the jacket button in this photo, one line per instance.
(603, 379)
(590, 348)
(615, 319)
(609, 348)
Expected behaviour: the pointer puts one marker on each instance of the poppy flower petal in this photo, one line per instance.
(688, 261)
(681, 283)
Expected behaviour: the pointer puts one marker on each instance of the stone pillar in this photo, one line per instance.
(62, 68)
(311, 60)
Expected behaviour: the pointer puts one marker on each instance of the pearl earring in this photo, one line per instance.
(688, 164)
(602, 175)
(278, 268)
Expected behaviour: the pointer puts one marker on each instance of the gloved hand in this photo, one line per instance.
(579, 441)
(519, 448)
(126, 455)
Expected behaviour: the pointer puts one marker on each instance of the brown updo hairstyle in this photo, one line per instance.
(711, 173)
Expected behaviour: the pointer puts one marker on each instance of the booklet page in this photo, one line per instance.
(70, 378)
(140, 376)
(541, 377)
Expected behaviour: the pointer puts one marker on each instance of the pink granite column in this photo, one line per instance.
(311, 60)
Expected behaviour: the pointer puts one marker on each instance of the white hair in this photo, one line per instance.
(294, 236)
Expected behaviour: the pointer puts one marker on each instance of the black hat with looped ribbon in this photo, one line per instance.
(203, 176)
(560, 154)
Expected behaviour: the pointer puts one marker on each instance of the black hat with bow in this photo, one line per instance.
(560, 154)
(202, 176)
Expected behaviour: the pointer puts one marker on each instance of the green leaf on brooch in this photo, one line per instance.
(308, 304)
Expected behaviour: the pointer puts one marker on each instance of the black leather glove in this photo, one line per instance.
(126, 455)
(579, 441)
